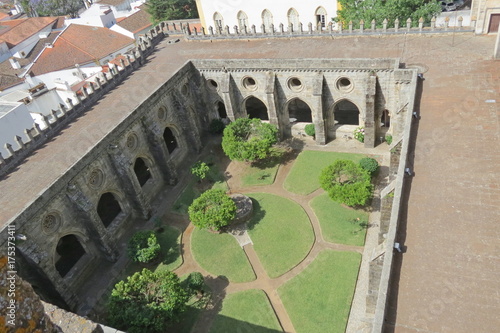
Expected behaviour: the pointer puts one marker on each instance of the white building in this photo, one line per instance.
(14, 119)
(230, 13)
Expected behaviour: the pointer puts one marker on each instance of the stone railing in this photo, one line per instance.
(365, 28)
(85, 98)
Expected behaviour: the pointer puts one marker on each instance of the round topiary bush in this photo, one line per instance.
(195, 281)
(214, 209)
(347, 183)
(388, 139)
(369, 164)
(310, 130)
(143, 246)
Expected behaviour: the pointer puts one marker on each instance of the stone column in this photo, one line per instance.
(370, 128)
(226, 97)
(271, 103)
(317, 109)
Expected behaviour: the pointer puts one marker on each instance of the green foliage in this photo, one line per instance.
(368, 10)
(200, 169)
(147, 302)
(388, 139)
(347, 183)
(163, 10)
(369, 164)
(214, 209)
(359, 134)
(195, 281)
(249, 140)
(310, 130)
(143, 246)
(52, 7)
(216, 126)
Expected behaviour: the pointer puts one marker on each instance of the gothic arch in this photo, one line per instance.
(255, 108)
(293, 18)
(220, 108)
(299, 111)
(108, 208)
(320, 16)
(171, 139)
(242, 20)
(142, 170)
(267, 19)
(345, 112)
(68, 251)
(218, 21)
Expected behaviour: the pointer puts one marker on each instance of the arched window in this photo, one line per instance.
(346, 113)
(141, 171)
(108, 208)
(267, 19)
(221, 110)
(68, 252)
(321, 17)
(385, 120)
(293, 18)
(242, 20)
(170, 140)
(218, 21)
(256, 108)
(299, 111)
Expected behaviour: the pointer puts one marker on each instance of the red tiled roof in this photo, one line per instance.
(79, 44)
(137, 22)
(16, 31)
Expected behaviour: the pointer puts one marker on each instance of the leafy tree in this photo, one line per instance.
(52, 7)
(143, 246)
(200, 169)
(147, 302)
(164, 10)
(216, 126)
(195, 281)
(369, 164)
(368, 10)
(310, 130)
(214, 209)
(249, 139)
(347, 183)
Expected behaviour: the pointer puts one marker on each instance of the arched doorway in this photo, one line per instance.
(242, 20)
(108, 208)
(68, 252)
(267, 19)
(141, 171)
(255, 108)
(221, 110)
(218, 22)
(299, 111)
(293, 19)
(346, 113)
(385, 119)
(320, 17)
(170, 140)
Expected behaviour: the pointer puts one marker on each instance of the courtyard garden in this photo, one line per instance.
(276, 271)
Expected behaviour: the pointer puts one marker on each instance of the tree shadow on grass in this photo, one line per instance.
(257, 216)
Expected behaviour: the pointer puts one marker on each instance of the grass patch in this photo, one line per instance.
(319, 299)
(215, 179)
(339, 224)
(304, 176)
(246, 311)
(262, 173)
(281, 232)
(220, 254)
(170, 240)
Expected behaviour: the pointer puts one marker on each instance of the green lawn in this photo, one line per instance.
(220, 254)
(246, 311)
(304, 176)
(339, 224)
(170, 240)
(319, 299)
(280, 231)
(259, 175)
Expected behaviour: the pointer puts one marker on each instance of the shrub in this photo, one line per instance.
(310, 130)
(200, 169)
(147, 302)
(369, 164)
(216, 126)
(249, 139)
(347, 183)
(359, 134)
(195, 281)
(143, 246)
(213, 209)
(388, 139)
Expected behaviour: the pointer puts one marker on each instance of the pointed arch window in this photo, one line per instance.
(293, 19)
(267, 19)
(321, 17)
(242, 20)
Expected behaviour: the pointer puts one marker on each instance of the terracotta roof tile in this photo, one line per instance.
(136, 22)
(79, 44)
(16, 31)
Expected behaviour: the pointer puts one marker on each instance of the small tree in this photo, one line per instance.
(200, 169)
(143, 246)
(216, 126)
(369, 164)
(347, 183)
(214, 209)
(195, 281)
(163, 10)
(249, 139)
(147, 302)
(310, 130)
